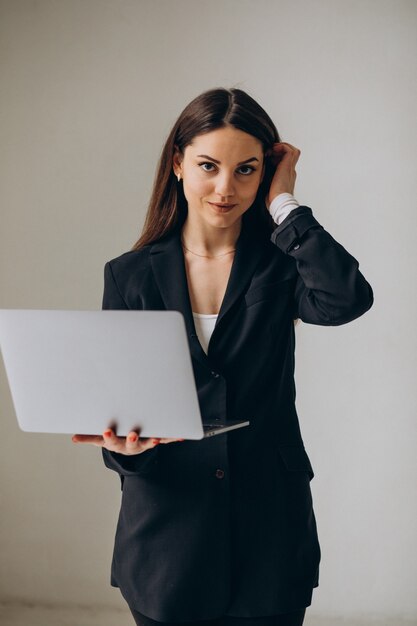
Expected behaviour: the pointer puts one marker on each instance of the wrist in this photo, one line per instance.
(281, 205)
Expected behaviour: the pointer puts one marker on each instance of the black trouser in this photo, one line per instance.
(295, 618)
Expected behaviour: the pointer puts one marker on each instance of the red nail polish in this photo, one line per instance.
(133, 438)
(107, 433)
(156, 441)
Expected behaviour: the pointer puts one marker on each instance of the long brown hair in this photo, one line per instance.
(213, 109)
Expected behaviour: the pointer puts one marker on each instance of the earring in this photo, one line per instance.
(179, 177)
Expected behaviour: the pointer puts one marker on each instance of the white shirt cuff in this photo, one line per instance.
(281, 206)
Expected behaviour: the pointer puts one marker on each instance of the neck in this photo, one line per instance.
(204, 239)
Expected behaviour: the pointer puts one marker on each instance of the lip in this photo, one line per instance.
(223, 208)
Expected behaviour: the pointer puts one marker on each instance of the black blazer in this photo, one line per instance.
(226, 525)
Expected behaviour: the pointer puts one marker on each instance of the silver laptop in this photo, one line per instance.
(81, 372)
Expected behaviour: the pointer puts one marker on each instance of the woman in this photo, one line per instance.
(222, 531)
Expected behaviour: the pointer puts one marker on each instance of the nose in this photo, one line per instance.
(225, 186)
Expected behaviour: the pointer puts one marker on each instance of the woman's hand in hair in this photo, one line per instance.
(284, 157)
(132, 444)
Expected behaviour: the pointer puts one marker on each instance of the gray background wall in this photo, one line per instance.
(90, 90)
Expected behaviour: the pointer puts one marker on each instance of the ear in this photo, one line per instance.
(177, 160)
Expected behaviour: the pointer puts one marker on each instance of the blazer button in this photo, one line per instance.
(297, 245)
(215, 374)
(219, 473)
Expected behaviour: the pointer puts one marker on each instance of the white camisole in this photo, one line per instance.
(204, 324)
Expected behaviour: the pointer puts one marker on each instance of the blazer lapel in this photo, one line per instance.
(168, 265)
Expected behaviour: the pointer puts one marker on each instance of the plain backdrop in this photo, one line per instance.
(89, 92)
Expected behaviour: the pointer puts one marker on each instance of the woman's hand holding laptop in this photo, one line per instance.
(132, 444)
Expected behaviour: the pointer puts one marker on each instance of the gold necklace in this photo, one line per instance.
(205, 255)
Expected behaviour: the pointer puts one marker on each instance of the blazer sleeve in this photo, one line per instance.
(125, 465)
(330, 290)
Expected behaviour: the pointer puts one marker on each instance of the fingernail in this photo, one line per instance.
(133, 437)
(155, 442)
(107, 433)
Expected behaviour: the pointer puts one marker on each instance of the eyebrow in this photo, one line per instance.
(205, 156)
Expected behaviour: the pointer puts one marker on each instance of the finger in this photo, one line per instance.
(283, 147)
(287, 154)
(169, 440)
(281, 153)
(141, 444)
(111, 440)
(278, 148)
(130, 443)
(288, 145)
(295, 154)
(295, 159)
(135, 444)
(96, 440)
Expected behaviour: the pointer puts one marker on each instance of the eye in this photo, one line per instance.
(247, 167)
(201, 164)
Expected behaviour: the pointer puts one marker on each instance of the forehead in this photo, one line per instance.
(227, 142)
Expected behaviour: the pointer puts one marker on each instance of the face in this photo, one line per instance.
(223, 166)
